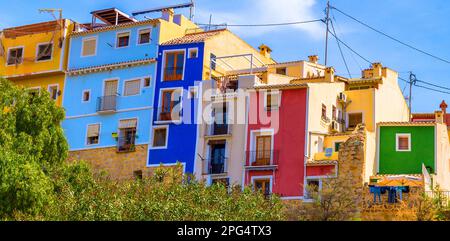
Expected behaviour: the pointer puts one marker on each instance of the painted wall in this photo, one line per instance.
(106, 51)
(407, 162)
(43, 82)
(362, 101)
(289, 140)
(182, 137)
(442, 157)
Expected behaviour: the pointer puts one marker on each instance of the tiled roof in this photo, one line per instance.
(364, 81)
(110, 27)
(321, 162)
(194, 37)
(107, 67)
(280, 86)
(416, 123)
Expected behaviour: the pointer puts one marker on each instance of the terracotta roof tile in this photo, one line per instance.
(194, 37)
(415, 123)
(111, 27)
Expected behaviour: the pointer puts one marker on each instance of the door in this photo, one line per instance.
(217, 158)
(262, 185)
(263, 150)
(167, 105)
(108, 100)
(110, 88)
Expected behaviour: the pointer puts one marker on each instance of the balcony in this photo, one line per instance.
(107, 104)
(126, 144)
(173, 73)
(172, 113)
(218, 129)
(216, 165)
(262, 159)
(323, 156)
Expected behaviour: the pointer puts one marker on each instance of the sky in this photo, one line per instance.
(422, 24)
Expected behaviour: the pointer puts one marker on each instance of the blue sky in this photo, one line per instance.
(419, 23)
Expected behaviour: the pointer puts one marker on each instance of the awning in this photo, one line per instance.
(93, 130)
(130, 123)
(216, 142)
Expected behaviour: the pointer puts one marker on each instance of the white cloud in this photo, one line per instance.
(268, 11)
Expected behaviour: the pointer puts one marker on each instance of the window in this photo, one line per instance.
(263, 150)
(127, 135)
(170, 100)
(123, 40)
(354, 119)
(193, 53)
(144, 36)
(281, 71)
(403, 142)
(312, 188)
(132, 87)
(44, 52)
(174, 66)
(15, 56)
(324, 112)
(263, 185)
(159, 137)
(86, 96)
(93, 133)
(53, 90)
(337, 146)
(138, 174)
(89, 47)
(147, 81)
(272, 99)
(333, 113)
(34, 91)
(213, 61)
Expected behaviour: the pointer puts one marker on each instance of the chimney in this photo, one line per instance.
(167, 14)
(313, 59)
(377, 69)
(265, 50)
(439, 117)
(443, 107)
(329, 74)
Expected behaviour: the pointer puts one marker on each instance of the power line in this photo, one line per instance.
(392, 38)
(441, 91)
(438, 86)
(340, 50)
(346, 45)
(351, 54)
(262, 25)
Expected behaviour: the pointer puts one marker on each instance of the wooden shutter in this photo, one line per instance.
(89, 46)
(263, 149)
(130, 123)
(403, 143)
(110, 88)
(93, 130)
(159, 137)
(132, 87)
(354, 119)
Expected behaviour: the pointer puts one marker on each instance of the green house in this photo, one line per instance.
(403, 146)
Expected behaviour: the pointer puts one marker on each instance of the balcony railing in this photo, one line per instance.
(166, 113)
(263, 158)
(216, 165)
(173, 73)
(126, 144)
(107, 103)
(218, 129)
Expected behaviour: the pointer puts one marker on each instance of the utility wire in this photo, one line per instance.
(351, 54)
(261, 25)
(340, 50)
(346, 45)
(424, 87)
(392, 38)
(428, 83)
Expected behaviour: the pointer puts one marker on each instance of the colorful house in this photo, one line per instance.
(415, 148)
(426, 117)
(110, 89)
(185, 68)
(35, 56)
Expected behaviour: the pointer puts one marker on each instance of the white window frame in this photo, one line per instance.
(143, 82)
(117, 39)
(255, 178)
(305, 191)
(261, 132)
(189, 53)
(9, 52)
(82, 46)
(82, 96)
(153, 136)
(192, 89)
(397, 136)
(277, 92)
(133, 79)
(99, 132)
(163, 66)
(37, 52)
(57, 90)
(139, 36)
(347, 117)
(161, 90)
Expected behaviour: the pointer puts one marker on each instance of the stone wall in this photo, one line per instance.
(117, 165)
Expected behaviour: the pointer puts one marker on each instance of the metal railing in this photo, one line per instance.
(263, 158)
(126, 144)
(216, 165)
(169, 113)
(107, 103)
(173, 73)
(218, 129)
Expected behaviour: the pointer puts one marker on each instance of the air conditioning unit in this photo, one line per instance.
(335, 126)
(342, 97)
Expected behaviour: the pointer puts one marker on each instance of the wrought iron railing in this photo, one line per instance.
(126, 144)
(218, 129)
(216, 165)
(168, 113)
(107, 103)
(263, 158)
(173, 73)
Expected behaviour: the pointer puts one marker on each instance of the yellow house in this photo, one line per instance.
(35, 56)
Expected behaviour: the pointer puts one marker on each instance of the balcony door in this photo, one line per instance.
(263, 150)
(217, 164)
(108, 100)
(220, 126)
(169, 101)
(174, 66)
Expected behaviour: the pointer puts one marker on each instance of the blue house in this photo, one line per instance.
(110, 88)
